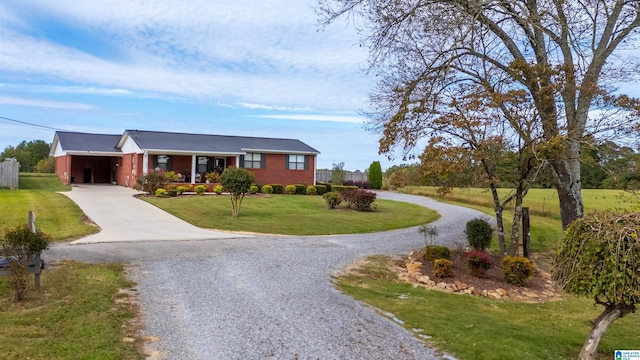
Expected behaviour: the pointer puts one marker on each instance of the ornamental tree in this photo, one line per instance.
(237, 182)
(600, 259)
(375, 175)
(562, 56)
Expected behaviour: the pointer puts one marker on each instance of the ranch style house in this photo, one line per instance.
(83, 158)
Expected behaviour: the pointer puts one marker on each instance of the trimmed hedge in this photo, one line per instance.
(301, 189)
(277, 188)
(341, 188)
(321, 189)
(267, 189)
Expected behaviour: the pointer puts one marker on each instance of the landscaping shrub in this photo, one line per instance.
(172, 190)
(311, 190)
(161, 193)
(479, 262)
(277, 188)
(253, 189)
(375, 175)
(333, 199)
(433, 252)
(321, 189)
(517, 269)
(301, 189)
(218, 189)
(360, 199)
(290, 189)
(20, 245)
(152, 181)
(479, 233)
(267, 189)
(200, 189)
(349, 183)
(183, 188)
(442, 268)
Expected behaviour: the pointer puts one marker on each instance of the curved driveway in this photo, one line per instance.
(266, 297)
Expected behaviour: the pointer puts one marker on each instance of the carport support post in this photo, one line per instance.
(32, 227)
(526, 232)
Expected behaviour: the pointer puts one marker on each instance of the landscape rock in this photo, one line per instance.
(501, 292)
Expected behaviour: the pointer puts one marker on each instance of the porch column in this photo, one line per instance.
(237, 161)
(145, 163)
(194, 160)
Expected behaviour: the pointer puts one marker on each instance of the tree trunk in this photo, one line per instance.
(499, 222)
(566, 178)
(600, 325)
(515, 228)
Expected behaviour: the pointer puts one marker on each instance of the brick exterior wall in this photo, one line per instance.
(276, 172)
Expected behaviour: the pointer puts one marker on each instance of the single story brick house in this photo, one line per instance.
(83, 158)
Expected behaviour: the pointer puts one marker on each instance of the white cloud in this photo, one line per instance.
(243, 51)
(8, 100)
(316, 117)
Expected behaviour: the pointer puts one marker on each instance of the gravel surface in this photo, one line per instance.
(267, 297)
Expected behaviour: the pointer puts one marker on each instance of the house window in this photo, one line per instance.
(163, 160)
(252, 161)
(202, 164)
(296, 162)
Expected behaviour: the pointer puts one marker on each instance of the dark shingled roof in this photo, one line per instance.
(155, 140)
(74, 141)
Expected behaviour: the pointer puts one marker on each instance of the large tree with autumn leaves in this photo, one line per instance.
(558, 57)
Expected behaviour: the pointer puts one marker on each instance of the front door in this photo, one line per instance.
(220, 164)
(87, 176)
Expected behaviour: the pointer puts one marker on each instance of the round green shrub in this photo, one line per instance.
(333, 199)
(479, 233)
(253, 189)
(290, 189)
(433, 252)
(267, 189)
(311, 190)
(517, 269)
(161, 193)
(218, 189)
(321, 189)
(200, 189)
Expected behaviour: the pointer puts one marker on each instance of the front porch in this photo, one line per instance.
(190, 169)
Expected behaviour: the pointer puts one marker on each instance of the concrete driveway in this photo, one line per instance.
(123, 218)
(266, 297)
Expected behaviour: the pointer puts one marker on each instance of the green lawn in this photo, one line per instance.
(75, 316)
(56, 214)
(479, 328)
(292, 215)
(546, 227)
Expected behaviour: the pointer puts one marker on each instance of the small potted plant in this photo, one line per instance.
(211, 177)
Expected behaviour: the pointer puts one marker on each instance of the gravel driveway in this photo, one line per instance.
(267, 297)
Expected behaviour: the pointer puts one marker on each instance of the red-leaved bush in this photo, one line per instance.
(360, 199)
(479, 262)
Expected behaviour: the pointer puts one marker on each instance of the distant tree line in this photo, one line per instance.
(33, 156)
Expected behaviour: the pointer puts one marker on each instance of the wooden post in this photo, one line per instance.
(32, 227)
(526, 233)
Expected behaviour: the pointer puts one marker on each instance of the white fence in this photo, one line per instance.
(9, 169)
(324, 176)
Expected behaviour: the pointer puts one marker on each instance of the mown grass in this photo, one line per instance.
(546, 226)
(74, 316)
(479, 328)
(56, 214)
(292, 215)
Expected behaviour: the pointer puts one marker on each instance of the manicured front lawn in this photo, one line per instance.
(292, 215)
(55, 213)
(75, 316)
(479, 328)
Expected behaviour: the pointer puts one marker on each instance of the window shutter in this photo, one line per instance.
(155, 161)
(241, 161)
(263, 161)
(286, 162)
(306, 162)
(170, 163)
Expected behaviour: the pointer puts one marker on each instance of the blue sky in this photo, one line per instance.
(257, 68)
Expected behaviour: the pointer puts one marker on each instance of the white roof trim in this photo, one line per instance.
(246, 150)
